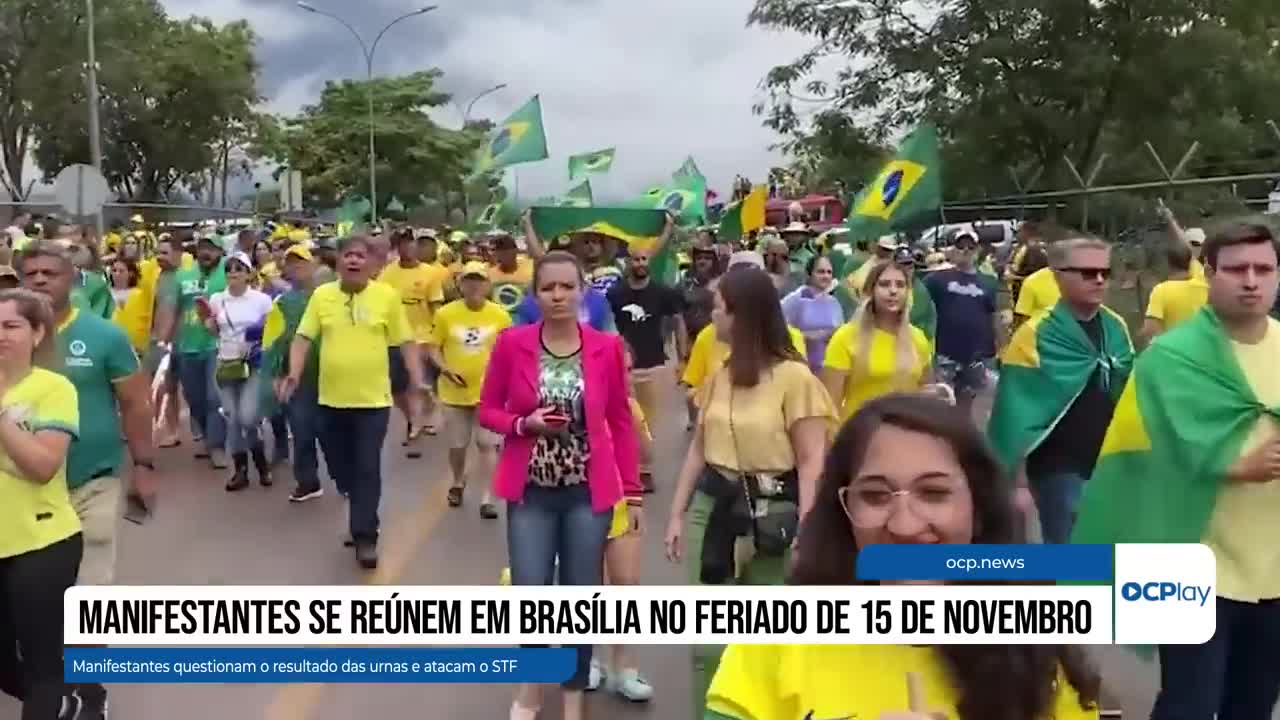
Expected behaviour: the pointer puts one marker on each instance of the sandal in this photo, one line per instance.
(455, 496)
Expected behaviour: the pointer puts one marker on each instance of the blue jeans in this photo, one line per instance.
(1235, 675)
(558, 523)
(1057, 494)
(280, 435)
(304, 419)
(352, 441)
(240, 401)
(195, 374)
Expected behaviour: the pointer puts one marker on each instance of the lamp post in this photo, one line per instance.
(466, 120)
(368, 50)
(95, 132)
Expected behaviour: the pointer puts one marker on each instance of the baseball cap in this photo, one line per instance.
(300, 251)
(796, 227)
(746, 257)
(904, 257)
(475, 268)
(209, 239)
(241, 257)
(1194, 236)
(887, 242)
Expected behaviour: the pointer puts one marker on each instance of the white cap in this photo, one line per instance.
(746, 257)
(1195, 236)
(241, 257)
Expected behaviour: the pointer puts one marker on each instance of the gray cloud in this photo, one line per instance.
(660, 80)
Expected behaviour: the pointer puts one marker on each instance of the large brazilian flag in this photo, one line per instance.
(905, 193)
(633, 227)
(518, 139)
(1181, 422)
(585, 164)
(1047, 364)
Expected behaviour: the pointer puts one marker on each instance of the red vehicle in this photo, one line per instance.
(822, 212)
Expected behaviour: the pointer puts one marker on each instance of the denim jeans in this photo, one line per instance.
(280, 435)
(240, 399)
(304, 419)
(558, 523)
(1057, 495)
(195, 374)
(1236, 675)
(352, 441)
(31, 588)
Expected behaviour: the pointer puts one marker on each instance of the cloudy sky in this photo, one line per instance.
(659, 79)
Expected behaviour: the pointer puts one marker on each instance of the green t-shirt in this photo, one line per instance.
(96, 354)
(192, 336)
(92, 294)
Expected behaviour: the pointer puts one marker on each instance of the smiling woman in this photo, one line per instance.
(904, 469)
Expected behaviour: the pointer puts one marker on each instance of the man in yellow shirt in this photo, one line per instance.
(1039, 292)
(460, 343)
(510, 274)
(422, 293)
(1175, 299)
(357, 322)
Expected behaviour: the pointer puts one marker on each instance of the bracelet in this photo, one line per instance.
(518, 427)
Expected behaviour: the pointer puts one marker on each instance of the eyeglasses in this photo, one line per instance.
(871, 506)
(1090, 273)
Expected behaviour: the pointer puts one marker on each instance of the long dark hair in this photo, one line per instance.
(995, 682)
(760, 338)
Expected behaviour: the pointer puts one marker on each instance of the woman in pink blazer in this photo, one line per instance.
(557, 391)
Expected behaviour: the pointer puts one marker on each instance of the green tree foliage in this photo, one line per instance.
(1022, 84)
(329, 141)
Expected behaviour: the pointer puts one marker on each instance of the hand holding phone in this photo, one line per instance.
(546, 421)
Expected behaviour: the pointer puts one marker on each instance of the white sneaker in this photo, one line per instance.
(631, 685)
(595, 677)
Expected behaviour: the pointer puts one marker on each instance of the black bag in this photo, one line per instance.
(774, 503)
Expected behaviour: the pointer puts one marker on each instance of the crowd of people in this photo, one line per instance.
(831, 404)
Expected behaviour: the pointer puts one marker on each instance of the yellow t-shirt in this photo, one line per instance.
(135, 317)
(465, 338)
(1039, 293)
(509, 288)
(708, 354)
(418, 287)
(621, 521)
(36, 516)
(1196, 270)
(356, 332)
(1173, 301)
(790, 682)
(1243, 531)
(881, 375)
(759, 439)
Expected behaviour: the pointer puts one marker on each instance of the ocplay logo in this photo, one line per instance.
(1166, 592)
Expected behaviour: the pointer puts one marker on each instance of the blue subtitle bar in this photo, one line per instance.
(271, 665)
(1073, 563)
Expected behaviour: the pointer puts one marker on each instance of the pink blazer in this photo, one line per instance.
(510, 391)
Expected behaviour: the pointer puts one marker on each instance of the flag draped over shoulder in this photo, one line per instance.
(518, 139)
(1180, 424)
(905, 193)
(745, 215)
(1045, 367)
(593, 162)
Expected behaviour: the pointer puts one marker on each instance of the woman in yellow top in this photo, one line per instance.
(905, 469)
(878, 351)
(133, 303)
(763, 429)
(40, 538)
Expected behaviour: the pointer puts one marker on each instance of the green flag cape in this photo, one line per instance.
(1179, 425)
(1044, 369)
(593, 162)
(518, 139)
(906, 193)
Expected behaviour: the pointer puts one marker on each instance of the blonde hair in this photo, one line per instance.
(904, 346)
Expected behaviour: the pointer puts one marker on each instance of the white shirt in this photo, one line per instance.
(235, 315)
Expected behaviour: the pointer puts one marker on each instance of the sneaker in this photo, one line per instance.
(488, 511)
(367, 555)
(218, 459)
(595, 677)
(631, 685)
(302, 495)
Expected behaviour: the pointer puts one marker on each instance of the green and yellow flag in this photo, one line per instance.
(745, 215)
(578, 196)
(593, 162)
(1044, 368)
(518, 139)
(906, 193)
(633, 227)
(686, 198)
(1179, 425)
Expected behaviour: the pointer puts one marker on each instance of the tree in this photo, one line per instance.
(1017, 84)
(328, 142)
(176, 91)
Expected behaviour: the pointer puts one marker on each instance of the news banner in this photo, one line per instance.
(931, 594)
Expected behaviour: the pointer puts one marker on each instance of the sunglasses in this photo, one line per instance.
(1090, 273)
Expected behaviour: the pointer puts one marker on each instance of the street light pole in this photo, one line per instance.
(95, 131)
(466, 120)
(369, 51)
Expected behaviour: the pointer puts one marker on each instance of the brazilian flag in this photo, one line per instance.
(906, 193)
(518, 139)
(1047, 364)
(1181, 422)
(578, 196)
(686, 198)
(633, 227)
(593, 162)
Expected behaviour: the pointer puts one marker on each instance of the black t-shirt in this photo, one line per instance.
(1073, 444)
(639, 313)
(966, 303)
(699, 300)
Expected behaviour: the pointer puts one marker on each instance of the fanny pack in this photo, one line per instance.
(232, 369)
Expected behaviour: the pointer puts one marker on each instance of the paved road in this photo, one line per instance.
(203, 536)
